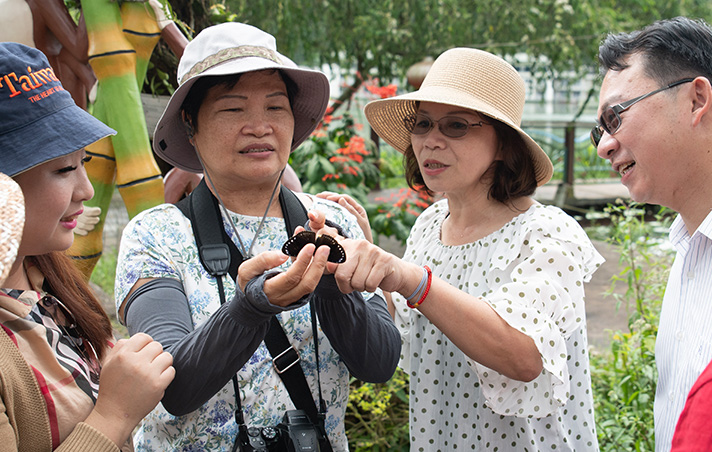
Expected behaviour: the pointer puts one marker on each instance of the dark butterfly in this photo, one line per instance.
(295, 244)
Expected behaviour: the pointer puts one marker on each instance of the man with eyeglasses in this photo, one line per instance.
(655, 128)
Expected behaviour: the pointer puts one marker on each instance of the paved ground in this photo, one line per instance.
(600, 309)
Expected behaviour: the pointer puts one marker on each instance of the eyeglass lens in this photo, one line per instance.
(610, 119)
(450, 126)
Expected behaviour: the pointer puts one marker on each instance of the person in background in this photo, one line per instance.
(240, 110)
(655, 128)
(66, 384)
(489, 295)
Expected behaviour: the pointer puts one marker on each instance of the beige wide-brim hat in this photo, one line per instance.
(233, 48)
(12, 220)
(466, 78)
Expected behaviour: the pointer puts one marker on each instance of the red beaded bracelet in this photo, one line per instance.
(427, 289)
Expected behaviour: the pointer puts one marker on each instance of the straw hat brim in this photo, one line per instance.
(386, 117)
(11, 226)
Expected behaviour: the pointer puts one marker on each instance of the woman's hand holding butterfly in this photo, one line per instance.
(289, 286)
(366, 266)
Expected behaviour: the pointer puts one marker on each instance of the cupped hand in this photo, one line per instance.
(87, 220)
(300, 279)
(133, 379)
(352, 206)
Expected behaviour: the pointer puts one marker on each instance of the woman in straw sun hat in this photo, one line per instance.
(489, 295)
(65, 384)
(239, 111)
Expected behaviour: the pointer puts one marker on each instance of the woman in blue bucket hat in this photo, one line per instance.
(66, 384)
(240, 110)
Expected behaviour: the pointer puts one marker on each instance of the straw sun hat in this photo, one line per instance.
(11, 223)
(235, 48)
(467, 78)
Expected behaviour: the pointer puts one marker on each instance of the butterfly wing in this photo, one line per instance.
(294, 245)
(336, 251)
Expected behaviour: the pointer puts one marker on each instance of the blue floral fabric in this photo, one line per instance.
(159, 243)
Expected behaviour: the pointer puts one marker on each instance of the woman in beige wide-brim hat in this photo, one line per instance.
(489, 295)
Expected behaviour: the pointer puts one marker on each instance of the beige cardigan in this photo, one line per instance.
(24, 422)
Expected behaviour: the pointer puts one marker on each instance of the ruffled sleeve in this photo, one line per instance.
(532, 273)
(537, 286)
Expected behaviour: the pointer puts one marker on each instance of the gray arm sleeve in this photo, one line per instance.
(205, 358)
(361, 331)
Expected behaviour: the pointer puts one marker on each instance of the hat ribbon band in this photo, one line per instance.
(232, 53)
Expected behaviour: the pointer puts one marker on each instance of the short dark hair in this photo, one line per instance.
(513, 176)
(671, 49)
(195, 97)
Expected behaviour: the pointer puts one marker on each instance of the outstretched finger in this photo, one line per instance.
(317, 220)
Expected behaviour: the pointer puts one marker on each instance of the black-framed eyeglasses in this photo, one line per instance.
(450, 126)
(610, 119)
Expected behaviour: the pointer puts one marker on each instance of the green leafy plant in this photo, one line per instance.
(104, 273)
(395, 215)
(624, 378)
(335, 158)
(377, 415)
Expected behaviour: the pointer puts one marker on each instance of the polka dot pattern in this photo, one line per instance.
(531, 272)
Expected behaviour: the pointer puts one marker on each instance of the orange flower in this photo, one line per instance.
(383, 91)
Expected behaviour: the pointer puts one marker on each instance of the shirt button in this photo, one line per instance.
(691, 274)
(678, 335)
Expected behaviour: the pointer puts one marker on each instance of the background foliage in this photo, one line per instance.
(624, 377)
(382, 39)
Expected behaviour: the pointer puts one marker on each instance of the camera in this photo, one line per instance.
(296, 433)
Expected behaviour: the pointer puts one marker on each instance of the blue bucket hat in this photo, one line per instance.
(39, 120)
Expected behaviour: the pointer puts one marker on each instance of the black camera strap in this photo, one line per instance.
(220, 257)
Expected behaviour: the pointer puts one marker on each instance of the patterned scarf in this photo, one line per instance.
(64, 364)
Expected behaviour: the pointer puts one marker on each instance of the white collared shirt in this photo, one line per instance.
(684, 342)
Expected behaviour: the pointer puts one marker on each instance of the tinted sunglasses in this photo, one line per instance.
(450, 126)
(610, 119)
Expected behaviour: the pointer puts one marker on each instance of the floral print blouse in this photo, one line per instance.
(159, 243)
